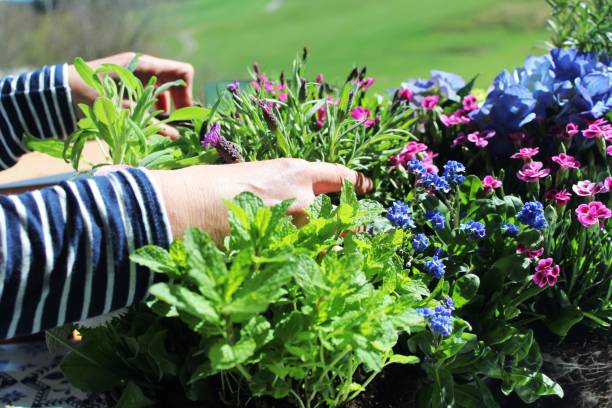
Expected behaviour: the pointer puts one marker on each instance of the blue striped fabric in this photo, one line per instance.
(36, 103)
(64, 250)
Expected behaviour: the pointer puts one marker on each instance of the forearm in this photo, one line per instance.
(64, 251)
(36, 103)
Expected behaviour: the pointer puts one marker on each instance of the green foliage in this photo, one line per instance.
(581, 24)
(308, 314)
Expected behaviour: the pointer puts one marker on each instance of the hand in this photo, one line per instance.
(148, 66)
(194, 196)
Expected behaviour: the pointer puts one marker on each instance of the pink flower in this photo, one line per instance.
(319, 78)
(561, 197)
(459, 140)
(427, 159)
(430, 102)
(566, 161)
(593, 212)
(526, 153)
(598, 129)
(406, 94)
(415, 150)
(532, 172)
(609, 150)
(584, 188)
(546, 273)
(364, 84)
(571, 129)
(321, 116)
(608, 183)
(480, 138)
(470, 103)
(528, 252)
(456, 118)
(601, 188)
(361, 114)
(490, 183)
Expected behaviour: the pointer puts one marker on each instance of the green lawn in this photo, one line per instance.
(396, 39)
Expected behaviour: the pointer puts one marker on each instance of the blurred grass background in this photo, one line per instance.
(395, 39)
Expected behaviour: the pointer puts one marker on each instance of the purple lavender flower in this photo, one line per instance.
(211, 138)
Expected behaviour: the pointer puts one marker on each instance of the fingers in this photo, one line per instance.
(183, 95)
(166, 130)
(163, 101)
(328, 178)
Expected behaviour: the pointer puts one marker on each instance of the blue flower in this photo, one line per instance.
(416, 167)
(420, 242)
(532, 214)
(433, 181)
(570, 64)
(475, 229)
(453, 173)
(440, 318)
(438, 222)
(435, 267)
(510, 229)
(444, 83)
(399, 215)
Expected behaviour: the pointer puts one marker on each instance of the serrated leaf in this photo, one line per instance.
(155, 258)
(185, 301)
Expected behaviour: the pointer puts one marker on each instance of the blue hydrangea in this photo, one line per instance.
(435, 182)
(439, 318)
(399, 215)
(445, 83)
(420, 242)
(510, 229)
(437, 220)
(416, 167)
(532, 214)
(453, 173)
(475, 229)
(435, 267)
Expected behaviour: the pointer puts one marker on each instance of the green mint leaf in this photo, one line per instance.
(155, 258)
(185, 301)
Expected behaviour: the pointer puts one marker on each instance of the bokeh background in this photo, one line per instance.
(396, 39)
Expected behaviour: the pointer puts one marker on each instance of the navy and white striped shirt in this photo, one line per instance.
(64, 250)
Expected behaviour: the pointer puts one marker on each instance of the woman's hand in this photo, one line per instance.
(194, 196)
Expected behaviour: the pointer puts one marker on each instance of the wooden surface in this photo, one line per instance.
(33, 165)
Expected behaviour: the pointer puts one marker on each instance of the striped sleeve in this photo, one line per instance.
(36, 103)
(64, 250)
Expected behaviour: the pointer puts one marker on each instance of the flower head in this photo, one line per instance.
(430, 102)
(432, 181)
(528, 252)
(490, 183)
(510, 229)
(480, 139)
(320, 79)
(437, 220)
(532, 172)
(435, 267)
(362, 114)
(599, 129)
(475, 229)
(365, 83)
(234, 87)
(211, 138)
(526, 153)
(561, 197)
(609, 150)
(399, 215)
(440, 318)
(453, 173)
(546, 272)
(532, 214)
(584, 188)
(592, 213)
(566, 161)
(571, 129)
(470, 103)
(405, 94)
(420, 242)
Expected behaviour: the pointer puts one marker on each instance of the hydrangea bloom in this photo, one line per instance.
(435, 267)
(211, 138)
(446, 83)
(532, 214)
(420, 242)
(453, 173)
(510, 229)
(532, 172)
(566, 161)
(399, 215)
(475, 229)
(592, 213)
(437, 220)
(490, 183)
(546, 273)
